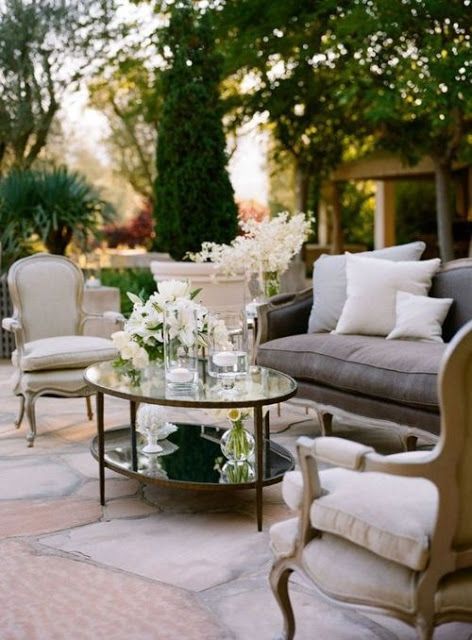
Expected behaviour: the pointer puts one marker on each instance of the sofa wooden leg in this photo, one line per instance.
(409, 442)
(326, 423)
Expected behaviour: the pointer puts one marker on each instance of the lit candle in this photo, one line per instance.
(92, 282)
(180, 374)
(225, 359)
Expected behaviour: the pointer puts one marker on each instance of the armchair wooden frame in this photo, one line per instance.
(19, 325)
(447, 467)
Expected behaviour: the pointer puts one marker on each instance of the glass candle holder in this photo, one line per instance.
(181, 347)
(227, 349)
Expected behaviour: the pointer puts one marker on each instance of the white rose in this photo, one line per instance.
(120, 339)
(140, 358)
(129, 350)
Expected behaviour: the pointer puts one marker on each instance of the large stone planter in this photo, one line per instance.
(218, 293)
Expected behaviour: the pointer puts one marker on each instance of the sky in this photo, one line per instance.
(247, 167)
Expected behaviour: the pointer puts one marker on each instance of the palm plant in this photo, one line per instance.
(55, 205)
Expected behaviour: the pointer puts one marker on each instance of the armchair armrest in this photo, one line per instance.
(14, 326)
(284, 315)
(358, 457)
(111, 316)
(11, 324)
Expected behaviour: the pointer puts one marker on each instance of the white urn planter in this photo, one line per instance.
(219, 293)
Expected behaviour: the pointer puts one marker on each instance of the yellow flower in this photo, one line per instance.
(234, 415)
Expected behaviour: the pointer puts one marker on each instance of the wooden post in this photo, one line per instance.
(384, 231)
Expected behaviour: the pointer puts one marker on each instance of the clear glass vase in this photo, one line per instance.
(270, 283)
(234, 472)
(237, 444)
(181, 347)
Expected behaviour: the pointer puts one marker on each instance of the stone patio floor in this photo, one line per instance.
(154, 563)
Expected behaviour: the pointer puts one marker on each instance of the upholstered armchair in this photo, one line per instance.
(389, 534)
(48, 320)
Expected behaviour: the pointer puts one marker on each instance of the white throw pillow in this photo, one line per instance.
(419, 317)
(329, 282)
(372, 287)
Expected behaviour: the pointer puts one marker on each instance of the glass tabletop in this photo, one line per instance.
(261, 386)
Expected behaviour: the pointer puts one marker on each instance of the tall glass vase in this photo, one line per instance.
(181, 347)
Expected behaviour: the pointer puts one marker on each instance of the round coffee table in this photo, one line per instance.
(192, 453)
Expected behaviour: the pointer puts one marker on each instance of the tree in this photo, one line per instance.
(297, 82)
(194, 197)
(412, 61)
(45, 48)
(129, 99)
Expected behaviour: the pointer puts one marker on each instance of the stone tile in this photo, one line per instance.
(86, 465)
(33, 517)
(28, 478)
(249, 609)
(62, 598)
(116, 487)
(127, 508)
(195, 552)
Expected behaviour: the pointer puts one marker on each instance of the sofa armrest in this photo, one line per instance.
(284, 315)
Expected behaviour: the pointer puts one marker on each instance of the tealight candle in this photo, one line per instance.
(93, 283)
(180, 375)
(225, 359)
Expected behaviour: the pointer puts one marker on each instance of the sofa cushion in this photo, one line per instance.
(329, 282)
(393, 370)
(363, 508)
(64, 352)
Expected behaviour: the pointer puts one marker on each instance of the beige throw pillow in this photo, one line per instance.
(372, 286)
(419, 317)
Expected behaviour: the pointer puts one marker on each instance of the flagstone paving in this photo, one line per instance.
(153, 563)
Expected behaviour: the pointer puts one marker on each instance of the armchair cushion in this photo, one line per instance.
(64, 352)
(364, 508)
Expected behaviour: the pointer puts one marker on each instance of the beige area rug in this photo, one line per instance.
(153, 563)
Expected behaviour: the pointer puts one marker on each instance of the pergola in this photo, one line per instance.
(385, 169)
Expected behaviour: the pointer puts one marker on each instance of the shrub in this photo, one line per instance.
(138, 281)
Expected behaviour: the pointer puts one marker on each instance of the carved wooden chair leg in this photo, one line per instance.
(21, 412)
(279, 577)
(31, 416)
(424, 628)
(88, 402)
(326, 423)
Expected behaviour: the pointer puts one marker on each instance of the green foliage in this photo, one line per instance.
(45, 48)
(415, 207)
(194, 197)
(357, 212)
(130, 101)
(53, 205)
(138, 281)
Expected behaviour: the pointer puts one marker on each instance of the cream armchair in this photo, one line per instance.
(48, 320)
(389, 534)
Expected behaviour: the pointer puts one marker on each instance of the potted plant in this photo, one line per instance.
(194, 197)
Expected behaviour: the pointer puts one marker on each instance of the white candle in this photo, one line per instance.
(180, 374)
(92, 282)
(225, 359)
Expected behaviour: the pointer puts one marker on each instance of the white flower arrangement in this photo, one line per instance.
(268, 245)
(142, 338)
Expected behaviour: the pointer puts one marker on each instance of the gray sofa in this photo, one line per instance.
(386, 380)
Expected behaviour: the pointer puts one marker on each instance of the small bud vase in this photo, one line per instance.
(237, 444)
